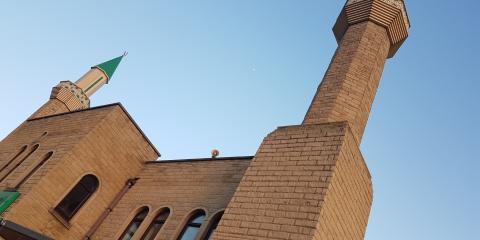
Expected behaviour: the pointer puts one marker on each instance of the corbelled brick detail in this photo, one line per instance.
(350, 84)
(287, 185)
(65, 97)
(72, 95)
(390, 14)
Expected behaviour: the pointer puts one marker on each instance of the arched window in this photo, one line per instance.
(192, 228)
(77, 197)
(32, 150)
(44, 160)
(134, 224)
(213, 225)
(156, 225)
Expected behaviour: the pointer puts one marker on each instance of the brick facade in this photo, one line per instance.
(181, 186)
(306, 182)
(298, 176)
(346, 207)
(101, 141)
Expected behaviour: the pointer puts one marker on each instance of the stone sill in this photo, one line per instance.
(59, 218)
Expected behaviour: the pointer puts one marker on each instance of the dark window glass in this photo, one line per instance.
(134, 224)
(193, 226)
(156, 225)
(213, 225)
(77, 197)
(32, 150)
(44, 160)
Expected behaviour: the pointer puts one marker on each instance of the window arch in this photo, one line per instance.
(156, 225)
(134, 224)
(30, 174)
(213, 225)
(192, 227)
(32, 150)
(77, 197)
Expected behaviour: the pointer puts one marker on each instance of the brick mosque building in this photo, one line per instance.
(72, 171)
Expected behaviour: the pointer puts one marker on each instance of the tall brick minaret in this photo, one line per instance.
(68, 96)
(310, 181)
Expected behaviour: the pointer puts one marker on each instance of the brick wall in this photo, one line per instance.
(347, 204)
(305, 182)
(180, 186)
(284, 189)
(100, 141)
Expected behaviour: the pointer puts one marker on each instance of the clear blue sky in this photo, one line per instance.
(223, 73)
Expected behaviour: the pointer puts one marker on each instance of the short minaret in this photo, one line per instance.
(98, 76)
(68, 96)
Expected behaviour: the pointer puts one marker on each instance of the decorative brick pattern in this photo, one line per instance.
(390, 14)
(72, 95)
(399, 4)
(65, 97)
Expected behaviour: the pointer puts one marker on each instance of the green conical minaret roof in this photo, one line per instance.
(110, 66)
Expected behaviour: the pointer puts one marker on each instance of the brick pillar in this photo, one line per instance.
(310, 181)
